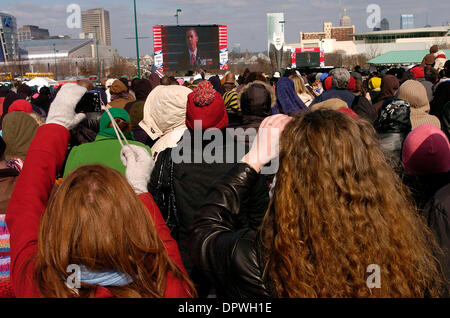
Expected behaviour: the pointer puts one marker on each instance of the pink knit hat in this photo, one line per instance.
(426, 151)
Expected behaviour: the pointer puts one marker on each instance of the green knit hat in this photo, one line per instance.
(105, 121)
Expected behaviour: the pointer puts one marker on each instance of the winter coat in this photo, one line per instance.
(230, 256)
(29, 200)
(441, 97)
(343, 94)
(393, 126)
(192, 181)
(436, 213)
(104, 151)
(364, 108)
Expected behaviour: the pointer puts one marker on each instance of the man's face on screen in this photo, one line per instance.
(191, 40)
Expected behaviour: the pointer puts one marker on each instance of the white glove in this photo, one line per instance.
(139, 166)
(266, 145)
(62, 110)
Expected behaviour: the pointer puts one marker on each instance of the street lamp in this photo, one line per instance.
(177, 14)
(137, 41)
(56, 66)
(98, 57)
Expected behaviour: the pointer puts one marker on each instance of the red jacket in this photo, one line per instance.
(45, 158)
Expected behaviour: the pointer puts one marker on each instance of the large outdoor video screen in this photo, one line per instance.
(308, 59)
(190, 47)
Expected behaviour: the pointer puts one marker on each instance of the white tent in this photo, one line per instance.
(41, 82)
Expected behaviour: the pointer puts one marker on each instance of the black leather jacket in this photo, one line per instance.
(229, 257)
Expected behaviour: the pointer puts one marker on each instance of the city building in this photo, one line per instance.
(375, 43)
(9, 42)
(384, 25)
(32, 32)
(275, 30)
(66, 50)
(237, 48)
(94, 23)
(345, 21)
(407, 21)
(341, 33)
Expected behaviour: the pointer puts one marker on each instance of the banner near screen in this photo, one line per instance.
(308, 57)
(184, 48)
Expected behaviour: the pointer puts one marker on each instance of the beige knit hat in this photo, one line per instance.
(416, 95)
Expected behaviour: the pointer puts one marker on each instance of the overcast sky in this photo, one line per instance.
(246, 19)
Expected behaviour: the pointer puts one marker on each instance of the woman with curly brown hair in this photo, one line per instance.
(337, 209)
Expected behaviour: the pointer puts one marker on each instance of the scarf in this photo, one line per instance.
(104, 278)
(288, 101)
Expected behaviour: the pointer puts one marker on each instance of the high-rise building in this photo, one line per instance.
(32, 32)
(237, 48)
(9, 43)
(345, 21)
(407, 21)
(384, 25)
(96, 17)
(275, 30)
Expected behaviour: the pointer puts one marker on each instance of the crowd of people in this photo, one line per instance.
(363, 178)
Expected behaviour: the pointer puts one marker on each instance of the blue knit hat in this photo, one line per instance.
(323, 77)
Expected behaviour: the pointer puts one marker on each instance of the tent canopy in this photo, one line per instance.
(403, 57)
(41, 82)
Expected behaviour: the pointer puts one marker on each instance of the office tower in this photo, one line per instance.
(96, 17)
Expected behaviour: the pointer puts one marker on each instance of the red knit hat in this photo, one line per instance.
(351, 84)
(418, 72)
(328, 82)
(20, 105)
(204, 94)
(426, 151)
(212, 115)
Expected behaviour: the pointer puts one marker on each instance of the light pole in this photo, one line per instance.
(96, 45)
(56, 66)
(137, 40)
(177, 14)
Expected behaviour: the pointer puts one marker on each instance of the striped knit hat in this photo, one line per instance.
(231, 101)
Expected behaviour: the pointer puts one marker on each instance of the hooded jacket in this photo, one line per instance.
(165, 116)
(18, 132)
(415, 94)
(389, 87)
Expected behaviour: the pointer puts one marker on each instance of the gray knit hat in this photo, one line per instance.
(341, 78)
